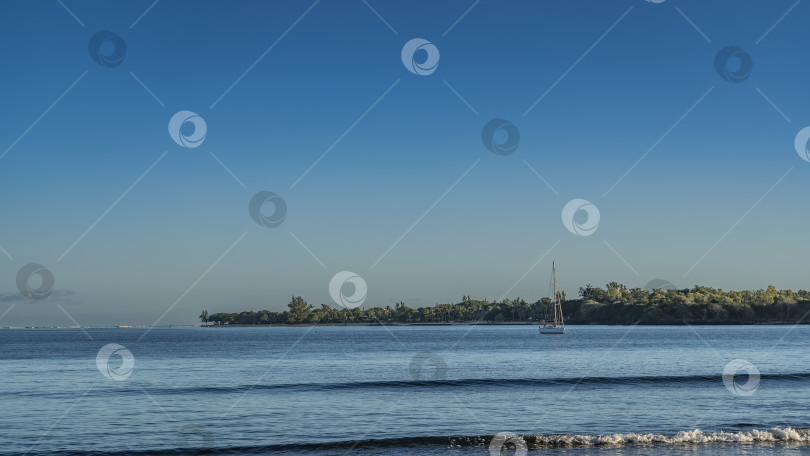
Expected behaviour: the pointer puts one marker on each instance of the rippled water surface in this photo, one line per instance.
(406, 390)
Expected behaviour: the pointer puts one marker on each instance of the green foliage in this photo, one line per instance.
(614, 304)
(204, 317)
(299, 310)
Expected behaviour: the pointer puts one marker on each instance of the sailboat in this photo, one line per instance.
(558, 326)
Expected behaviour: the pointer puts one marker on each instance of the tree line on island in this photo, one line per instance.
(614, 304)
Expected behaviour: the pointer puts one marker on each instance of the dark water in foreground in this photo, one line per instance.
(406, 390)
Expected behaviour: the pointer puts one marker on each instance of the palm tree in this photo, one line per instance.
(204, 317)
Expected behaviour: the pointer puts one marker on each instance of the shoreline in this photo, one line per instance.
(502, 324)
(304, 325)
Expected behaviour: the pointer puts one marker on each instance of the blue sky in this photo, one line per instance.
(411, 176)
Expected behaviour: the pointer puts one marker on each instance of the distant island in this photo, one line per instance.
(613, 305)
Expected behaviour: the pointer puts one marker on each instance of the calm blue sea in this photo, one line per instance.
(406, 390)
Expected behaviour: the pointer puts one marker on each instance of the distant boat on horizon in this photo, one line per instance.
(558, 325)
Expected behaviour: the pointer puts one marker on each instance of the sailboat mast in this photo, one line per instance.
(559, 298)
(554, 274)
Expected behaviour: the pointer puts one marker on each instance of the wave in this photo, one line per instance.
(637, 381)
(472, 382)
(786, 435)
(774, 435)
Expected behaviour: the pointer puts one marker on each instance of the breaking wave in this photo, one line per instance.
(695, 436)
(773, 436)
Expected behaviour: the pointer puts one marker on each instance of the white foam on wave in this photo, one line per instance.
(684, 437)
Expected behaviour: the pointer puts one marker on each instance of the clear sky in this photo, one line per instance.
(384, 171)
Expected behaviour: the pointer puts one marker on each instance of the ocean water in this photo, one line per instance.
(416, 390)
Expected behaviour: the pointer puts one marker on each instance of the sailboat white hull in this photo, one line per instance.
(552, 330)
